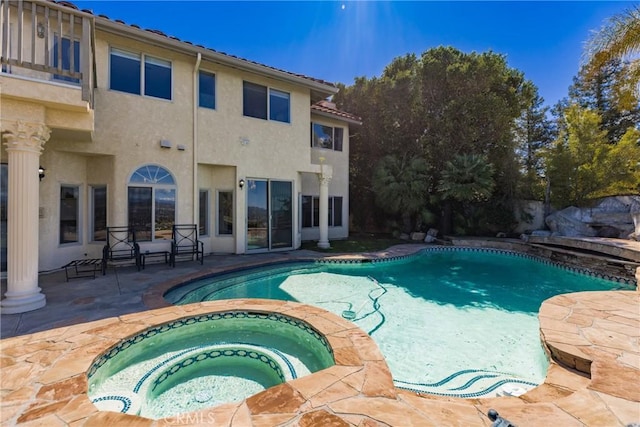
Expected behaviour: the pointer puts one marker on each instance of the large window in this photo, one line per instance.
(328, 137)
(255, 97)
(207, 90)
(152, 203)
(128, 75)
(70, 52)
(279, 106)
(99, 210)
(225, 212)
(203, 214)
(69, 214)
(311, 211)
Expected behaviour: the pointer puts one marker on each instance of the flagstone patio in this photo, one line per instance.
(592, 380)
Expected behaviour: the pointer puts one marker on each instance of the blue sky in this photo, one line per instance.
(338, 41)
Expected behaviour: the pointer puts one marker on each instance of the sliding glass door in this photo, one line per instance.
(269, 214)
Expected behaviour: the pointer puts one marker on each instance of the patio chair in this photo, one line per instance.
(121, 246)
(185, 243)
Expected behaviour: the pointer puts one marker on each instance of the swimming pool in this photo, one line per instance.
(450, 321)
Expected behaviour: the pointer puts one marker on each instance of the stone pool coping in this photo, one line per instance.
(44, 380)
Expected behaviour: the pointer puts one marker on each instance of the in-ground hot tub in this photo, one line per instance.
(204, 360)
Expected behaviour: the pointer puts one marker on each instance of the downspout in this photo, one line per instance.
(196, 190)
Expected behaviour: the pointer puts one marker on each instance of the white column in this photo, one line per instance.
(25, 142)
(324, 211)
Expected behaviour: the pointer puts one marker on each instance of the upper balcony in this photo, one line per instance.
(47, 60)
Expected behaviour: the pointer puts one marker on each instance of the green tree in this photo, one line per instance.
(619, 38)
(436, 106)
(400, 184)
(583, 165)
(533, 133)
(471, 102)
(606, 91)
(466, 179)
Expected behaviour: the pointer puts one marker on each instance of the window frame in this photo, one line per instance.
(269, 94)
(65, 55)
(314, 211)
(333, 137)
(211, 74)
(203, 212)
(92, 210)
(144, 60)
(139, 180)
(219, 233)
(78, 215)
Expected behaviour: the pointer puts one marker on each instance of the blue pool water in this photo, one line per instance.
(450, 322)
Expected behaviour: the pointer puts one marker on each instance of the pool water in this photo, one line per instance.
(450, 322)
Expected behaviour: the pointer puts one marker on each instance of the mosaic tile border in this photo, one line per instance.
(438, 388)
(224, 283)
(150, 332)
(215, 354)
(125, 401)
(573, 269)
(570, 268)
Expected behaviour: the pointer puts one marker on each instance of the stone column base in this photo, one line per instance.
(324, 245)
(14, 304)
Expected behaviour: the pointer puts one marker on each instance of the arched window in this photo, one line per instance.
(152, 202)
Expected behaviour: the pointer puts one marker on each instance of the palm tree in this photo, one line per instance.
(466, 178)
(619, 38)
(400, 184)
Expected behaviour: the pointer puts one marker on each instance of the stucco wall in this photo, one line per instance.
(104, 146)
(339, 185)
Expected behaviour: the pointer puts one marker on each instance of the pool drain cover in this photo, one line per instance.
(202, 397)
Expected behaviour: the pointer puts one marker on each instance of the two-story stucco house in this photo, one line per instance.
(108, 124)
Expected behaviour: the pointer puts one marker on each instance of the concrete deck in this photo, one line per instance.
(45, 355)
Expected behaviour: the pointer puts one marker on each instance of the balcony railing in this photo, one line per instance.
(43, 40)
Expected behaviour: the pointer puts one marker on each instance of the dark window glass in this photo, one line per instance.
(316, 211)
(207, 89)
(337, 212)
(254, 100)
(69, 214)
(203, 217)
(307, 209)
(4, 194)
(140, 211)
(337, 139)
(322, 136)
(225, 212)
(165, 204)
(279, 106)
(99, 203)
(125, 72)
(66, 58)
(157, 78)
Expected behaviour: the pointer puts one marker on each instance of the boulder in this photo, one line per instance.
(567, 223)
(417, 236)
(431, 236)
(609, 231)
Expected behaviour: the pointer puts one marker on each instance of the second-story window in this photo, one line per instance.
(128, 75)
(261, 102)
(206, 90)
(328, 137)
(64, 52)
